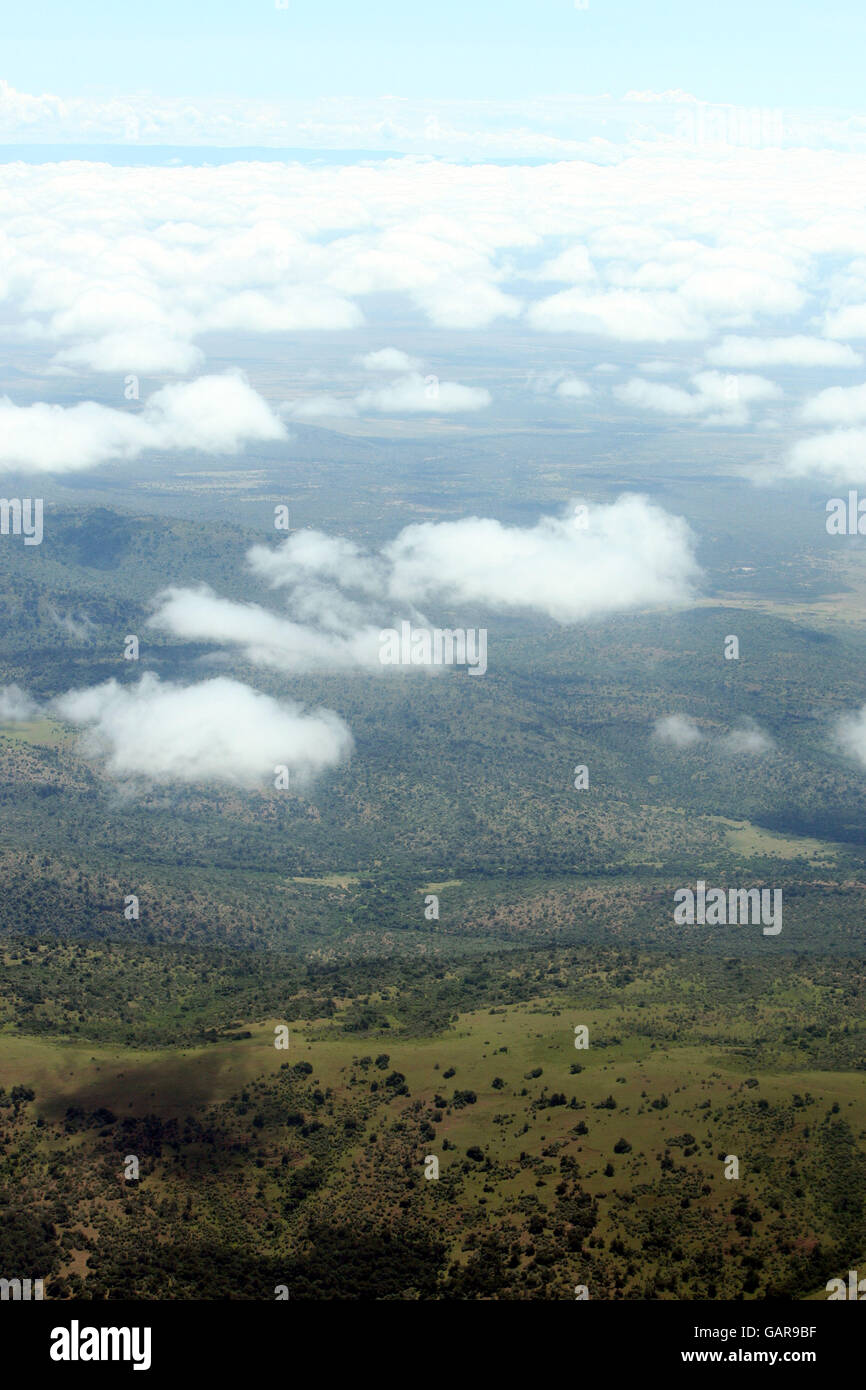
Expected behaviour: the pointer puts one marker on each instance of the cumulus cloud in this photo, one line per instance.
(718, 398)
(16, 705)
(217, 730)
(628, 555)
(657, 366)
(631, 554)
(837, 405)
(574, 266)
(838, 456)
(747, 742)
(214, 415)
(267, 638)
(411, 394)
(312, 555)
(628, 315)
(389, 359)
(414, 394)
(847, 322)
(145, 351)
(677, 731)
(681, 731)
(289, 311)
(573, 389)
(325, 407)
(556, 382)
(850, 734)
(796, 351)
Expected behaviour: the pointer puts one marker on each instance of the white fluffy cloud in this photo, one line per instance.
(16, 704)
(850, 734)
(747, 742)
(718, 398)
(214, 415)
(410, 394)
(266, 638)
(796, 351)
(838, 456)
(847, 322)
(677, 730)
(629, 555)
(680, 731)
(573, 389)
(414, 394)
(838, 405)
(217, 730)
(389, 359)
(146, 350)
(629, 315)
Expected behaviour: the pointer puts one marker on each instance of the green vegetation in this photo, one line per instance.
(451, 1038)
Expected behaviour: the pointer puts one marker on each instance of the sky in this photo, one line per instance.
(776, 52)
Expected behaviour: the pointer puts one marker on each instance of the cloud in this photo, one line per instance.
(312, 555)
(634, 239)
(628, 555)
(573, 389)
(747, 742)
(837, 405)
(839, 456)
(796, 351)
(389, 360)
(467, 303)
(677, 730)
(630, 316)
(562, 128)
(718, 399)
(143, 350)
(214, 415)
(573, 266)
(847, 322)
(556, 382)
(217, 730)
(653, 242)
(16, 705)
(290, 311)
(680, 731)
(657, 366)
(850, 734)
(267, 638)
(632, 554)
(412, 394)
(325, 407)
(79, 628)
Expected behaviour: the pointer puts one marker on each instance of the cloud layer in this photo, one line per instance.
(637, 250)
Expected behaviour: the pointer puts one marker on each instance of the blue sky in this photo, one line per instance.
(769, 53)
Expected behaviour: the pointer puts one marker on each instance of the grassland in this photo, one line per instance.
(558, 1165)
